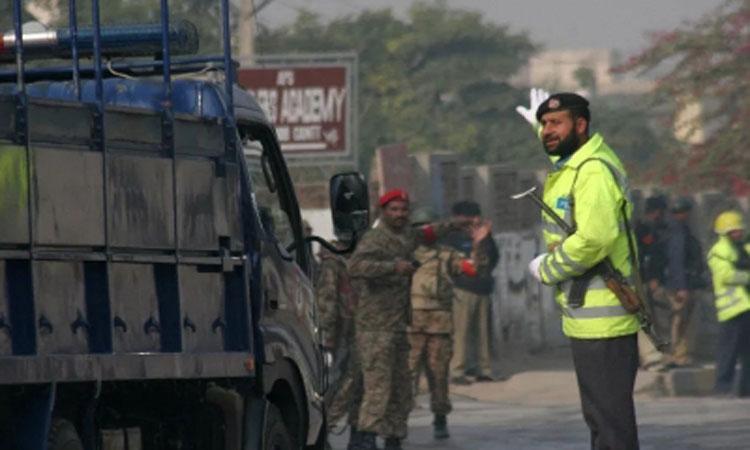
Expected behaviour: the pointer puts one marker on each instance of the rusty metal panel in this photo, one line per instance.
(199, 138)
(227, 198)
(79, 368)
(208, 205)
(60, 300)
(69, 197)
(14, 191)
(141, 210)
(59, 122)
(132, 129)
(196, 205)
(135, 309)
(202, 297)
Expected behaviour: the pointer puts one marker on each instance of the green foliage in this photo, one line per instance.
(630, 130)
(707, 61)
(437, 80)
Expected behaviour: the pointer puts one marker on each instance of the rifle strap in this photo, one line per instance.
(644, 312)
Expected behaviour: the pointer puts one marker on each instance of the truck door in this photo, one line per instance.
(288, 313)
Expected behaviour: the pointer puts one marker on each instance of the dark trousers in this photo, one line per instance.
(733, 343)
(606, 370)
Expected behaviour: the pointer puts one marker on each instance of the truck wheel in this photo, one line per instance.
(63, 436)
(276, 436)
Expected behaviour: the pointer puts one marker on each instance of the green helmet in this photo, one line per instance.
(424, 214)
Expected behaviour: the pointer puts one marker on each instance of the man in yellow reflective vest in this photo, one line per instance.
(587, 187)
(729, 261)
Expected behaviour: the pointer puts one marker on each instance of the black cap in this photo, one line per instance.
(682, 204)
(466, 208)
(564, 101)
(656, 203)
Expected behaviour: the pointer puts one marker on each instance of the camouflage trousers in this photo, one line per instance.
(433, 353)
(347, 398)
(386, 400)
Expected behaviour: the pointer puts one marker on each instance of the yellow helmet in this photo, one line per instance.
(728, 221)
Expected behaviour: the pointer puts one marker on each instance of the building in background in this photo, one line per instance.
(579, 70)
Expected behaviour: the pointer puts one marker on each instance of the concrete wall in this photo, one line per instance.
(524, 313)
(436, 181)
(491, 186)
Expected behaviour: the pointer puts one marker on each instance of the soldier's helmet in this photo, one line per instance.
(423, 215)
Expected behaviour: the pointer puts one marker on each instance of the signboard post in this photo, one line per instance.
(311, 102)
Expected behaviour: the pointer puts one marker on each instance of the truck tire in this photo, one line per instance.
(63, 436)
(276, 435)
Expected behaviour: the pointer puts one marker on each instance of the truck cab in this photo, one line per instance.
(156, 282)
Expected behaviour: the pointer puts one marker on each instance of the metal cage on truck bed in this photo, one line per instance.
(143, 291)
(134, 249)
(120, 205)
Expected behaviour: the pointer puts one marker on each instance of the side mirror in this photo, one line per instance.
(350, 204)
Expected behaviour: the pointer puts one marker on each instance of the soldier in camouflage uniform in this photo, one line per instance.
(382, 266)
(430, 332)
(336, 303)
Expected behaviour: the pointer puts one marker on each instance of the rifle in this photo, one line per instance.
(632, 300)
(339, 364)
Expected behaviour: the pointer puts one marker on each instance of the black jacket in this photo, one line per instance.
(652, 249)
(686, 268)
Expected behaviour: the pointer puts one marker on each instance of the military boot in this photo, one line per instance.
(355, 437)
(392, 443)
(366, 441)
(440, 427)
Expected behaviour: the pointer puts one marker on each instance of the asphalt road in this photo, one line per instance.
(537, 408)
(664, 424)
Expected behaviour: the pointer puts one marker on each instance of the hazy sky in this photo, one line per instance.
(615, 24)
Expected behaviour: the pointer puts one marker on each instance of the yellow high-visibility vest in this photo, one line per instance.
(730, 284)
(595, 180)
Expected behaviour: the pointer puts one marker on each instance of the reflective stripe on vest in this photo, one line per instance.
(580, 268)
(596, 283)
(729, 294)
(594, 312)
(551, 228)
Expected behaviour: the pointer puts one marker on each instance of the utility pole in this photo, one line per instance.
(246, 31)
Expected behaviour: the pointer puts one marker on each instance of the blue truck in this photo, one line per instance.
(155, 282)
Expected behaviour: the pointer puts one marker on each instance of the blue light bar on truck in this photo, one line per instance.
(122, 40)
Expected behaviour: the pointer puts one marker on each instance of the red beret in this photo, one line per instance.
(394, 194)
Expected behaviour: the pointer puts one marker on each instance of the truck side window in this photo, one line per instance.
(273, 217)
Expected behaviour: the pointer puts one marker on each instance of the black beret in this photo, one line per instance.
(466, 208)
(564, 101)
